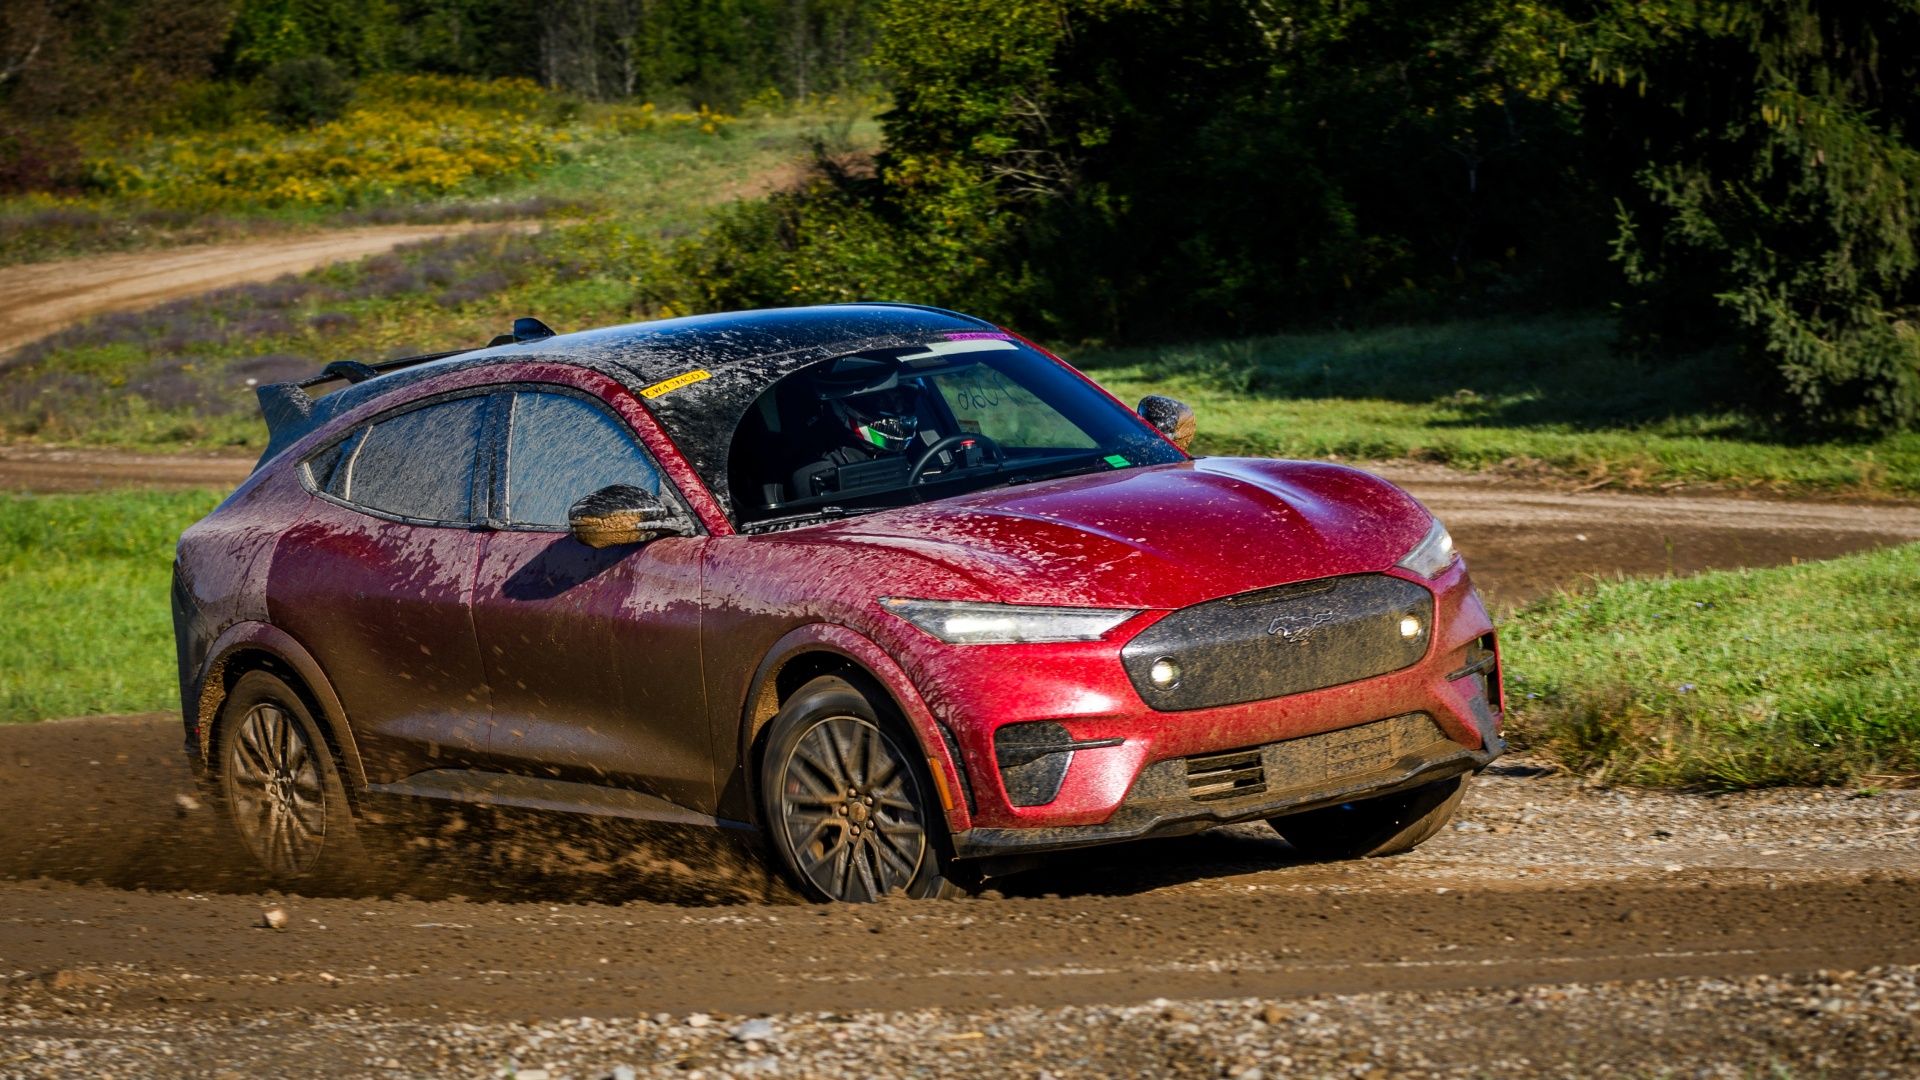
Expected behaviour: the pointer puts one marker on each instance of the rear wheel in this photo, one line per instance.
(1384, 825)
(282, 793)
(845, 800)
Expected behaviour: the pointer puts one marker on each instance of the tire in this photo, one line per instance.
(1370, 828)
(844, 795)
(280, 788)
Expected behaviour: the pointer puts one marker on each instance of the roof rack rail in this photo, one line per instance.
(525, 328)
(354, 371)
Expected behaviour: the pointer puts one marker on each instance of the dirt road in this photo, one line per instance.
(127, 927)
(38, 298)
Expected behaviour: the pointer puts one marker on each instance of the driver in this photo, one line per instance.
(859, 424)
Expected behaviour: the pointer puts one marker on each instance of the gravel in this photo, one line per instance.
(1859, 1024)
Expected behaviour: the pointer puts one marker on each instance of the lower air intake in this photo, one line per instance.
(1225, 776)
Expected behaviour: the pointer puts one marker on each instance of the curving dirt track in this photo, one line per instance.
(1553, 930)
(130, 937)
(38, 298)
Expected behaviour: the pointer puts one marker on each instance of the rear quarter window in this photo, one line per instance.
(419, 464)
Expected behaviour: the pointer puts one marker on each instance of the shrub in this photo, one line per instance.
(1774, 199)
(405, 135)
(33, 160)
(306, 91)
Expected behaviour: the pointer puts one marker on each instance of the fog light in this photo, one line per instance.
(1409, 627)
(1164, 673)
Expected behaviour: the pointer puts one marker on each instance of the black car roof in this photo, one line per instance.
(721, 364)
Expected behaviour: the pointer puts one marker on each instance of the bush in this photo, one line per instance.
(1129, 171)
(838, 239)
(1772, 194)
(405, 135)
(307, 91)
(32, 160)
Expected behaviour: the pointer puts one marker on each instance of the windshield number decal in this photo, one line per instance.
(668, 386)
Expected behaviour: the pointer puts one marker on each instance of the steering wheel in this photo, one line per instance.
(933, 453)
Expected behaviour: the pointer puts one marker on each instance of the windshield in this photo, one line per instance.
(891, 427)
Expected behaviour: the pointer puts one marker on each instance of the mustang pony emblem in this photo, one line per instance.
(1296, 627)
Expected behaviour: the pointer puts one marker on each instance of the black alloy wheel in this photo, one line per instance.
(846, 800)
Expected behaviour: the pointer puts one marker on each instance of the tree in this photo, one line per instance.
(1774, 198)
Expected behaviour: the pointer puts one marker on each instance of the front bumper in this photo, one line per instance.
(1181, 796)
(1115, 783)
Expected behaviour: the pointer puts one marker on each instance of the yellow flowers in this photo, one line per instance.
(422, 135)
(408, 136)
(631, 119)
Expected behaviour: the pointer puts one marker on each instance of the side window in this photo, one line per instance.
(418, 464)
(560, 448)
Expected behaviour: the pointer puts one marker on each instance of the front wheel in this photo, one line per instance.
(1383, 825)
(845, 800)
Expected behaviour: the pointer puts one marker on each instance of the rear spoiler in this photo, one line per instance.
(291, 412)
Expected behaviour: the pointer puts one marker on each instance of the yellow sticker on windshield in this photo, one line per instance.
(675, 383)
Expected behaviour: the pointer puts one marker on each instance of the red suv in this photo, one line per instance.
(890, 584)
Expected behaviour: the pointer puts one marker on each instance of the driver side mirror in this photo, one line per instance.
(623, 514)
(1171, 418)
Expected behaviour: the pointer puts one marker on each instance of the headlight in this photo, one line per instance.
(1433, 554)
(960, 623)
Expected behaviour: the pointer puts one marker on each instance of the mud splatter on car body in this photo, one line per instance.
(1068, 631)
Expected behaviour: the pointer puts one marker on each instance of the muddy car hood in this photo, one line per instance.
(1161, 537)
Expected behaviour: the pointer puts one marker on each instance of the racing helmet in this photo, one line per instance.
(867, 396)
(884, 420)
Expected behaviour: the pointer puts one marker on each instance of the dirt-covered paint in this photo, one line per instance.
(455, 640)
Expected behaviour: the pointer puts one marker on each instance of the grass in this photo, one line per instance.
(1805, 674)
(84, 580)
(1542, 395)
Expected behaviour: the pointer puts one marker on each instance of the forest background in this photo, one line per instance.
(1733, 180)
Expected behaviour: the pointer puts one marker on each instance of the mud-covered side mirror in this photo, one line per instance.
(623, 514)
(1171, 418)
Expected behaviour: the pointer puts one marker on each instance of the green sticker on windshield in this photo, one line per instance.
(1117, 461)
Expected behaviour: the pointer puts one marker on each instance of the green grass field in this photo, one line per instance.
(1804, 674)
(84, 581)
(1542, 396)
(1798, 675)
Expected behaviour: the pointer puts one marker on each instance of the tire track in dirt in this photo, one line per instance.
(131, 890)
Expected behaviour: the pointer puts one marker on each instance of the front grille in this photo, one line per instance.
(1280, 641)
(1225, 776)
